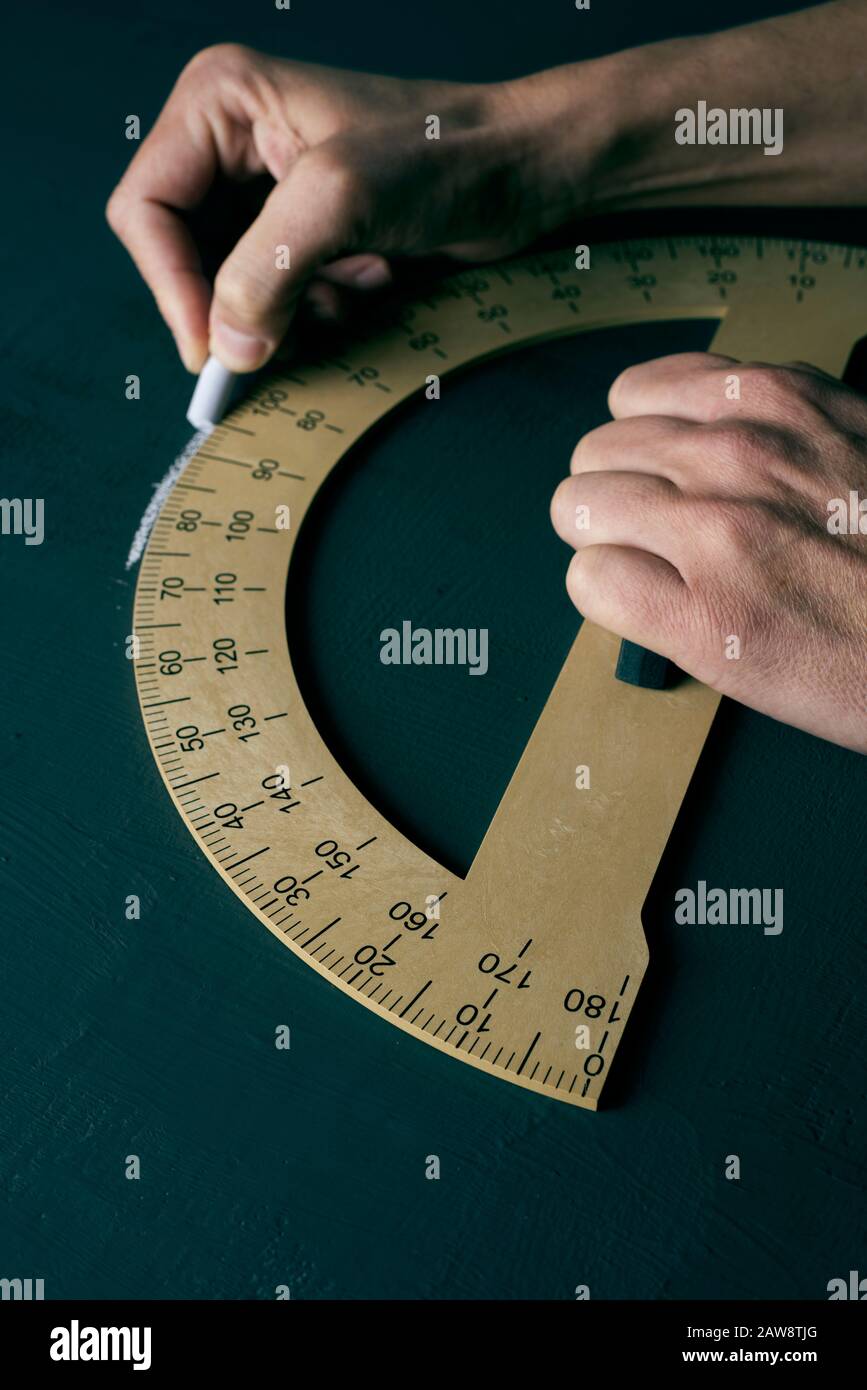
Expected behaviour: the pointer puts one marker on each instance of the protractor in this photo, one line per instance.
(528, 967)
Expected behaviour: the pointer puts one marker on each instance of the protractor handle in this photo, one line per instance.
(638, 666)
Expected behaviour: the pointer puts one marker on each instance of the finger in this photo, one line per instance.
(689, 385)
(655, 444)
(168, 262)
(626, 509)
(364, 272)
(329, 294)
(705, 387)
(798, 366)
(636, 595)
(172, 170)
(724, 458)
(307, 221)
(323, 301)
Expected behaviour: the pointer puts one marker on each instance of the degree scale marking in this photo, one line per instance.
(545, 933)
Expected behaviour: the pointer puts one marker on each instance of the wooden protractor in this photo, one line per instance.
(528, 968)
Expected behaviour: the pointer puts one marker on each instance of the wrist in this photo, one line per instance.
(598, 136)
(572, 133)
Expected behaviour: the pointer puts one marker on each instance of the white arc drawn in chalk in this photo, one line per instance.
(161, 492)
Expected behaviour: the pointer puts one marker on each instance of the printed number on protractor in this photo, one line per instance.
(530, 966)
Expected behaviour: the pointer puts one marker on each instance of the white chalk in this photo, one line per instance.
(211, 396)
(161, 492)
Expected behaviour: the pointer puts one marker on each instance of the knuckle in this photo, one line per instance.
(560, 501)
(714, 618)
(594, 447)
(586, 583)
(339, 179)
(616, 594)
(582, 451)
(619, 389)
(217, 57)
(579, 577)
(778, 389)
(236, 290)
(571, 511)
(740, 446)
(798, 365)
(116, 211)
(733, 527)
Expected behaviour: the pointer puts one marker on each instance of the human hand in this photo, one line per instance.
(356, 181)
(711, 533)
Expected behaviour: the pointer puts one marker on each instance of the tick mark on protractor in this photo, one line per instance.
(448, 960)
(218, 458)
(177, 786)
(255, 855)
(415, 998)
(321, 932)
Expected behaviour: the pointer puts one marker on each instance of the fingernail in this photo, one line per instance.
(192, 356)
(240, 352)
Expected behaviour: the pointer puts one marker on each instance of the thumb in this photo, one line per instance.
(310, 218)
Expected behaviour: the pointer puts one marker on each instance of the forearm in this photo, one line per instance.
(812, 65)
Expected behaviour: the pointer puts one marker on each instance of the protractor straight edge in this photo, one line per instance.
(529, 967)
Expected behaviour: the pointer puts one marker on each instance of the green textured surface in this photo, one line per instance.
(155, 1037)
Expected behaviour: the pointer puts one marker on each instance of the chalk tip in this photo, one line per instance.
(211, 396)
(198, 420)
